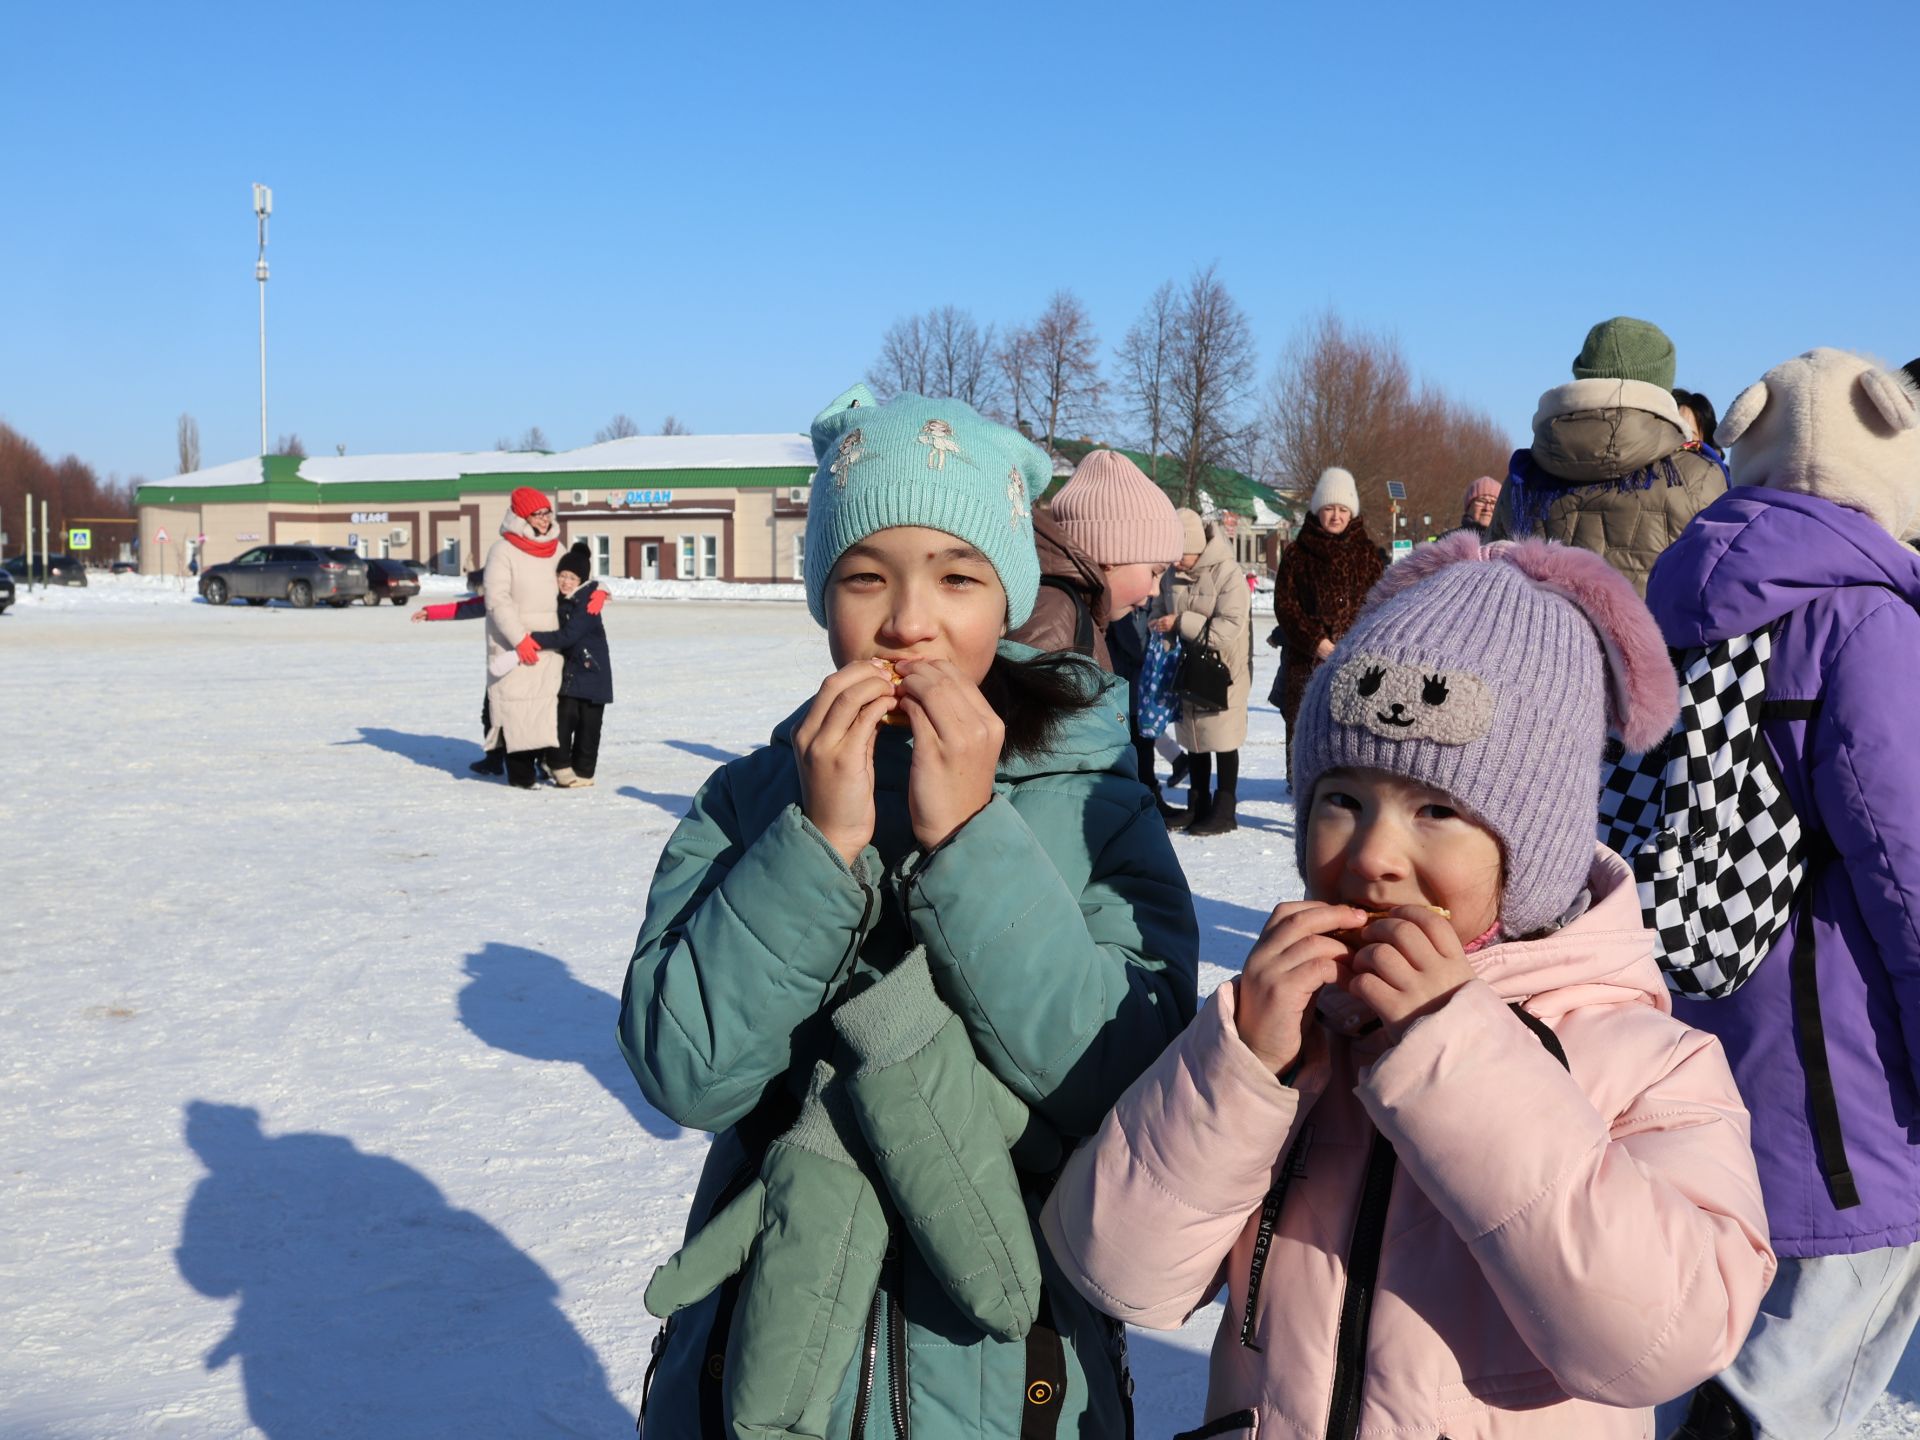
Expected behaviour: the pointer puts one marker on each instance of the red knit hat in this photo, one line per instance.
(526, 500)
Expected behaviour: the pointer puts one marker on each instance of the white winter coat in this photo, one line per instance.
(522, 597)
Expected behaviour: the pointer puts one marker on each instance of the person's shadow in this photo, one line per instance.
(435, 752)
(529, 1003)
(704, 750)
(370, 1306)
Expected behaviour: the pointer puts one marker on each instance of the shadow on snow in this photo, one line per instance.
(444, 753)
(704, 751)
(530, 1004)
(370, 1306)
(675, 805)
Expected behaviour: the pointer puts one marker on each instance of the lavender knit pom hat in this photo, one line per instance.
(1494, 673)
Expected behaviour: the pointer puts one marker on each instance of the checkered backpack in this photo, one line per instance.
(1704, 821)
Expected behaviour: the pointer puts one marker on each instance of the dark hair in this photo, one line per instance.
(1912, 367)
(476, 578)
(1703, 417)
(1032, 698)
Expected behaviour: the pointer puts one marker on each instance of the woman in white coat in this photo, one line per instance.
(522, 597)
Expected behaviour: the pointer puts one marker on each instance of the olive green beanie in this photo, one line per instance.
(1626, 349)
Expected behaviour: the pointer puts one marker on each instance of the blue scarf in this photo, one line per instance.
(1533, 490)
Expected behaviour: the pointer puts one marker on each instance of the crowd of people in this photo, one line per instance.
(1467, 1146)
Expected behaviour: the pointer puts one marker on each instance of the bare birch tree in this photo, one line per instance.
(1146, 358)
(672, 426)
(187, 438)
(621, 427)
(942, 354)
(1063, 361)
(290, 445)
(1212, 370)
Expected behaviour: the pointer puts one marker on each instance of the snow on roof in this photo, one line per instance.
(637, 452)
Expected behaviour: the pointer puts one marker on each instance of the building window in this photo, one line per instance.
(687, 569)
(709, 557)
(602, 556)
(800, 557)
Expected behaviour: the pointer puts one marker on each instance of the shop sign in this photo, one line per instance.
(368, 517)
(250, 535)
(618, 498)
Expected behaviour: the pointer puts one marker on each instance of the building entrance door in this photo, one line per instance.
(643, 559)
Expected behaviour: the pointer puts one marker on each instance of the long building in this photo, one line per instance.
(701, 507)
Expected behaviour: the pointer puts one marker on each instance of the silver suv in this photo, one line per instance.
(298, 574)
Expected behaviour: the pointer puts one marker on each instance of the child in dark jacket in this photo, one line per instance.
(586, 685)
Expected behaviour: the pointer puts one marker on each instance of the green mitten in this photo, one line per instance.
(811, 1232)
(939, 1126)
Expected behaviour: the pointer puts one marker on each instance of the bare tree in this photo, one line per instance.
(618, 428)
(1211, 372)
(187, 437)
(1064, 365)
(289, 445)
(1146, 360)
(943, 354)
(533, 439)
(672, 426)
(1013, 360)
(1347, 397)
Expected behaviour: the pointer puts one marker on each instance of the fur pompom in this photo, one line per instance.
(1645, 697)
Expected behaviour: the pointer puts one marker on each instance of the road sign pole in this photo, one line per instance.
(28, 576)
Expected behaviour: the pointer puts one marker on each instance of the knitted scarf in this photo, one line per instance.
(1533, 490)
(544, 549)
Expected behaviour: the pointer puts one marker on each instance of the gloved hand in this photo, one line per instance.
(939, 1125)
(596, 602)
(528, 650)
(811, 1232)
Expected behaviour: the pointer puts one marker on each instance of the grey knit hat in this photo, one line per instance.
(1493, 673)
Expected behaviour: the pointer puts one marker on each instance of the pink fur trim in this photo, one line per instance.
(1643, 694)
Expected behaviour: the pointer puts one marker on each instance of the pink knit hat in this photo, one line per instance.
(1115, 515)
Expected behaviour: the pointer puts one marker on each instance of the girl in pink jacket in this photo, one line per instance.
(1461, 1172)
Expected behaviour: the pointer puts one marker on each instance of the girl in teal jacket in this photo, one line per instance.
(949, 806)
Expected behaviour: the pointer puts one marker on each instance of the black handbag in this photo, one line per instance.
(1204, 679)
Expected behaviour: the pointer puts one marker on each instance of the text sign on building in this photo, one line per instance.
(618, 498)
(367, 517)
(79, 539)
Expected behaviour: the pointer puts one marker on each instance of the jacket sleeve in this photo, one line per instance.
(575, 628)
(1146, 1213)
(1631, 1256)
(1302, 631)
(1867, 789)
(1231, 614)
(503, 609)
(745, 937)
(1067, 997)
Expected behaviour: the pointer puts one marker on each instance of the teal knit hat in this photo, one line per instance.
(1626, 349)
(937, 463)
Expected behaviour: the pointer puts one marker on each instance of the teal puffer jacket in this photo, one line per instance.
(1058, 926)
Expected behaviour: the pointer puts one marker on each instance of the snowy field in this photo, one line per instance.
(312, 1117)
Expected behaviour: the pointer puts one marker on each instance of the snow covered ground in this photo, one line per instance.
(311, 1115)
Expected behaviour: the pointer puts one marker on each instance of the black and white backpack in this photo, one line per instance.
(1720, 856)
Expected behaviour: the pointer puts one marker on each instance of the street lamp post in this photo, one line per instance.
(262, 209)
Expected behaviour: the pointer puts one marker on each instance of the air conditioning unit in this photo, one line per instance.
(399, 535)
(579, 497)
(796, 494)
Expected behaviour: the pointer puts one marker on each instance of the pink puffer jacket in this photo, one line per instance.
(1559, 1246)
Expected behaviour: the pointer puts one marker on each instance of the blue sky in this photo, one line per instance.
(492, 216)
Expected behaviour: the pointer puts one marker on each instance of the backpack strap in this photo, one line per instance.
(1083, 617)
(1810, 1032)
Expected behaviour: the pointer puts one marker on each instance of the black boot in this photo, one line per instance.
(1182, 763)
(494, 762)
(1714, 1415)
(1199, 801)
(1220, 817)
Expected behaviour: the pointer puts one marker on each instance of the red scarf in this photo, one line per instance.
(542, 548)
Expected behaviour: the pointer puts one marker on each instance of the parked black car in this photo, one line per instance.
(419, 568)
(123, 567)
(49, 570)
(6, 590)
(299, 574)
(390, 580)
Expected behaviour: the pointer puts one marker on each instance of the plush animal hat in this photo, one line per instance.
(1494, 673)
(1832, 424)
(934, 463)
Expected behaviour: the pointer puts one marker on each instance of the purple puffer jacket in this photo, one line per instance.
(1850, 638)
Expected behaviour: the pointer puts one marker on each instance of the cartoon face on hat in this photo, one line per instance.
(1412, 702)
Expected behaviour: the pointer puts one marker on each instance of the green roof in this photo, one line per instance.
(1228, 489)
(282, 484)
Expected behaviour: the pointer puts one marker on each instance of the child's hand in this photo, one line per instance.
(418, 616)
(1410, 967)
(834, 747)
(956, 748)
(1295, 955)
(596, 602)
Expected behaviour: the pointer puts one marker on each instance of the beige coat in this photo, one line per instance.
(1622, 483)
(1216, 590)
(522, 597)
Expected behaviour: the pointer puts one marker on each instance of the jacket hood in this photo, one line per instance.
(1756, 554)
(512, 524)
(1060, 559)
(1602, 957)
(1092, 741)
(1592, 430)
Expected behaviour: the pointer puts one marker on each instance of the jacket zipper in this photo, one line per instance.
(1291, 1169)
(897, 1379)
(1356, 1306)
(868, 1353)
